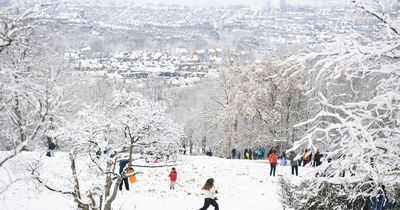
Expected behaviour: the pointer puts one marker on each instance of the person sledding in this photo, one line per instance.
(210, 198)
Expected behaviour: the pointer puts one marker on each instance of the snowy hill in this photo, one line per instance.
(241, 184)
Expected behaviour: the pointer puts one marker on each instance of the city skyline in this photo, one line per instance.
(223, 3)
(256, 3)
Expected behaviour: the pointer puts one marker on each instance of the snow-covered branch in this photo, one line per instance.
(380, 16)
(353, 85)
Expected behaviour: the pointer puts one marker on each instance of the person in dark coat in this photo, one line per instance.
(52, 147)
(250, 154)
(254, 155)
(122, 164)
(263, 153)
(233, 153)
(390, 203)
(379, 201)
(245, 153)
(294, 163)
(317, 158)
(98, 153)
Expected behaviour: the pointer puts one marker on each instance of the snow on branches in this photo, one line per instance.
(127, 118)
(261, 105)
(29, 72)
(146, 123)
(114, 128)
(353, 83)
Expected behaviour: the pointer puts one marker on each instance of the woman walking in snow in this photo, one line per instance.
(210, 198)
(172, 177)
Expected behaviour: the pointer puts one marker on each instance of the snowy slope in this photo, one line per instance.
(241, 184)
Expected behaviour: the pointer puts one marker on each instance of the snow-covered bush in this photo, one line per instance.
(395, 193)
(326, 194)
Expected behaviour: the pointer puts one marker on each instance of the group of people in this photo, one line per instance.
(294, 159)
(210, 191)
(248, 154)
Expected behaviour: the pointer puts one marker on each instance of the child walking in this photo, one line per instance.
(172, 178)
(210, 198)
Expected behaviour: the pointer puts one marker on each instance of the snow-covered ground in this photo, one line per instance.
(241, 184)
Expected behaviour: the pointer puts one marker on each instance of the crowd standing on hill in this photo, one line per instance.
(304, 158)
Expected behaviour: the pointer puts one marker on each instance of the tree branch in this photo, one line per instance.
(382, 18)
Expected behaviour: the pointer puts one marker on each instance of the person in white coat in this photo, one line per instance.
(210, 198)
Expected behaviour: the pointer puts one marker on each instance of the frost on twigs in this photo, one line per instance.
(30, 70)
(106, 134)
(354, 84)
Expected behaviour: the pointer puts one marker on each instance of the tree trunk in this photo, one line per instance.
(191, 146)
(108, 199)
(130, 153)
(77, 191)
(19, 122)
(108, 184)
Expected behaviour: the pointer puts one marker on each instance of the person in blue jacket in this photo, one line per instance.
(122, 164)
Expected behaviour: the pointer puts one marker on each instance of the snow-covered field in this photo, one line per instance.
(241, 184)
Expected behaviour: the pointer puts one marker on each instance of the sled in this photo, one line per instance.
(132, 179)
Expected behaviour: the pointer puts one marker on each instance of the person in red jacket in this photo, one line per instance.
(273, 160)
(172, 178)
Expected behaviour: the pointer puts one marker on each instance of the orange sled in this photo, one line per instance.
(132, 179)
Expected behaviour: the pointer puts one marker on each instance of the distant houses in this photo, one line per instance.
(174, 63)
